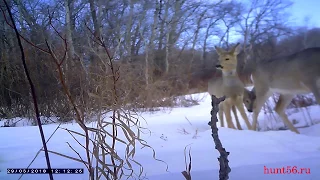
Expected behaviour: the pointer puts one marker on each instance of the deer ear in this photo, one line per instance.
(219, 50)
(236, 49)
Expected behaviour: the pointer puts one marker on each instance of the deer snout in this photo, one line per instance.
(219, 66)
(250, 110)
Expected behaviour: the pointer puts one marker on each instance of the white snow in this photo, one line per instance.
(171, 132)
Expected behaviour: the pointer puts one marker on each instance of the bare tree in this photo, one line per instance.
(149, 62)
(128, 30)
(263, 17)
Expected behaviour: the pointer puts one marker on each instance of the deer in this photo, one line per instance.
(298, 73)
(229, 85)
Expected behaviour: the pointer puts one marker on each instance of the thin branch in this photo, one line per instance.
(35, 157)
(78, 156)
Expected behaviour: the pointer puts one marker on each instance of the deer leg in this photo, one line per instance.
(260, 100)
(220, 113)
(236, 117)
(315, 89)
(283, 102)
(317, 96)
(227, 111)
(240, 107)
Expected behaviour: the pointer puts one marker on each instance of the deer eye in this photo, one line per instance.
(227, 59)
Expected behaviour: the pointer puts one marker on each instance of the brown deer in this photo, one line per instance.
(229, 85)
(298, 73)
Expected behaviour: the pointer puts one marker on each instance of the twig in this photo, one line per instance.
(78, 156)
(33, 93)
(187, 172)
(79, 117)
(41, 149)
(223, 159)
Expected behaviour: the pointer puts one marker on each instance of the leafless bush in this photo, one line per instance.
(105, 93)
(302, 101)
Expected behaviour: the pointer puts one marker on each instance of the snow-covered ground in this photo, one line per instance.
(171, 132)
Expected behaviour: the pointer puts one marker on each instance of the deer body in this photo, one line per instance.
(215, 87)
(229, 85)
(298, 73)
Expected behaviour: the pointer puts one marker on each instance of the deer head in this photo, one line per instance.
(228, 59)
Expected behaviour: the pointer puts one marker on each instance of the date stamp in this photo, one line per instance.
(286, 170)
(44, 171)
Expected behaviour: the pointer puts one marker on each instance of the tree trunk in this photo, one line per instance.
(96, 24)
(163, 25)
(149, 59)
(71, 52)
(128, 32)
(195, 39)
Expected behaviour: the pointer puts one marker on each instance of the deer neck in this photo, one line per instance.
(232, 73)
(231, 79)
